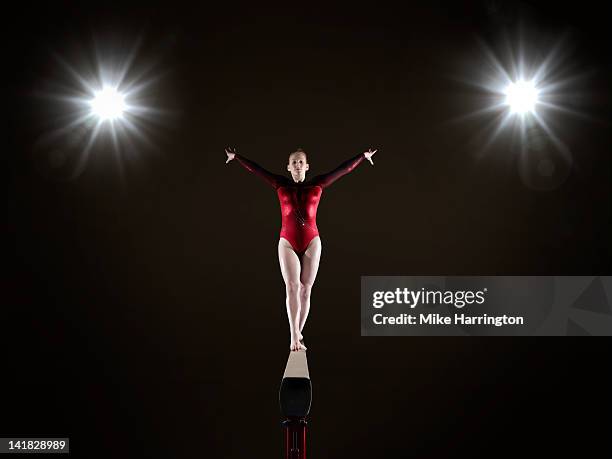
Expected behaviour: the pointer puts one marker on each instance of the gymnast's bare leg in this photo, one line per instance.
(299, 276)
(310, 266)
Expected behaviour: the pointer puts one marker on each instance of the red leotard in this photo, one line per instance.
(299, 201)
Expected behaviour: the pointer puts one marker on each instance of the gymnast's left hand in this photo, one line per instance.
(368, 155)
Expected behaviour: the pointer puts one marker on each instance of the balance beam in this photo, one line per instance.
(295, 396)
(295, 393)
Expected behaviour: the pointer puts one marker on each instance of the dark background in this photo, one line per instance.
(143, 311)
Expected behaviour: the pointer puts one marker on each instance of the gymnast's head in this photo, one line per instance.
(298, 165)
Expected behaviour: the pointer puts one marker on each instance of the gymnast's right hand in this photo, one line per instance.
(231, 153)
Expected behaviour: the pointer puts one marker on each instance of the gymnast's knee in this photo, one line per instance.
(305, 290)
(292, 287)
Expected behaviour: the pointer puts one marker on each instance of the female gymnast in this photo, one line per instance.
(299, 246)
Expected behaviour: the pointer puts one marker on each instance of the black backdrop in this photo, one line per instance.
(143, 311)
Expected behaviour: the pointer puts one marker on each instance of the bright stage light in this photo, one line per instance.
(108, 104)
(521, 96)
(523, 88)
(105, 107)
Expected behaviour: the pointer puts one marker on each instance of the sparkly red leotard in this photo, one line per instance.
(299, 201)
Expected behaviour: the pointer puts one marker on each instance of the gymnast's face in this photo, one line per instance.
(297, 166)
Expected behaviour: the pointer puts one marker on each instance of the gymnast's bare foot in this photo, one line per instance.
(296, 345)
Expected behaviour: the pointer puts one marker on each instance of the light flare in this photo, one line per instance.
(105, 103)
(108, 104)
(521, 97)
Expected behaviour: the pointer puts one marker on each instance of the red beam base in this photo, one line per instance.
(295, 438)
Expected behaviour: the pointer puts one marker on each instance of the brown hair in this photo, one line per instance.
(300, 150)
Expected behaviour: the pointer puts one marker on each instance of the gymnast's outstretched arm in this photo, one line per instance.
(326, 180)
(273, 180)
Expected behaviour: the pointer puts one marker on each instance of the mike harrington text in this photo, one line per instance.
(439, 319)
